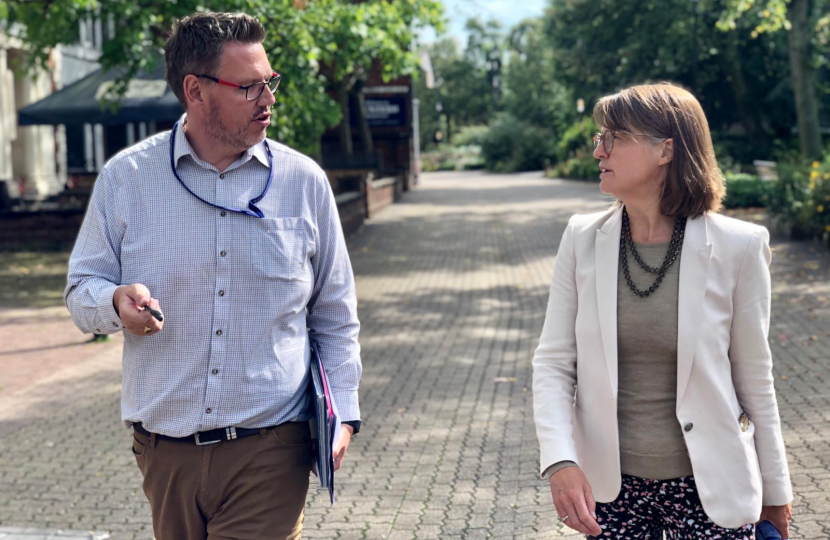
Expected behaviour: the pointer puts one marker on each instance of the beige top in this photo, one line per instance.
(651, 438)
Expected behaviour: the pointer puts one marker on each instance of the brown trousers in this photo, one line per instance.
(252, 488)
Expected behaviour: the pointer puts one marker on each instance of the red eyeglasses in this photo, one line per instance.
(252, 91)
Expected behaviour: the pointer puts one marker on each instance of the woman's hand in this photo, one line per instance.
(779, 516)
(574, 500)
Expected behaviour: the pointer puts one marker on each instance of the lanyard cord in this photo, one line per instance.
(252, 209)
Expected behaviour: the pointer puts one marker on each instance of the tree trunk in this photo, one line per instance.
(345, 128)
(749, 113)
(362, 121)
(803, 77)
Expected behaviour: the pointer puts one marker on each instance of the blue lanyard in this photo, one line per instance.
(252, 209)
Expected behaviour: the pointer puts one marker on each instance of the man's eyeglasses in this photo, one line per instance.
(607, 139)
(252, 91)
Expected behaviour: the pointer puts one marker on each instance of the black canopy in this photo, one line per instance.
(148, 98)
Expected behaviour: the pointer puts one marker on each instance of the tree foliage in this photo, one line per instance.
(804, 29)
(533, 91)
(586, 49)
(302, 36)
(463, 93)
(740, 78)
(768, 15)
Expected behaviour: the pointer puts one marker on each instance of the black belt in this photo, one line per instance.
(204, 437)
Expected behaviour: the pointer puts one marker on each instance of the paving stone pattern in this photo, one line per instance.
(452, 287)
(28, 533)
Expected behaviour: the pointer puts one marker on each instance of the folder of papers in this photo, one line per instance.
(325, 422)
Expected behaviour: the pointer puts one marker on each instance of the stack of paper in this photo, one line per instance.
(325, 423)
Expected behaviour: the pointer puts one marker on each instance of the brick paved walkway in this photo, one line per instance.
(28, 533)
(452, 286)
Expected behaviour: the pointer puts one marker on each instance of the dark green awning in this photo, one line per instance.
(148, 98)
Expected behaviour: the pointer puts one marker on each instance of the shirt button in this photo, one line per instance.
(208, 410)
(219, 333)
(223, 253)
(222, 213)
(214, 371)
(115, 324)
(222, 176)
(221, 293)
(688, 427)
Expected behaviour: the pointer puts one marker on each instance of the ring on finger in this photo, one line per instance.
(147, 329)
(564, 518)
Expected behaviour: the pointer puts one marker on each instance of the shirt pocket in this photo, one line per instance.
(279, 249)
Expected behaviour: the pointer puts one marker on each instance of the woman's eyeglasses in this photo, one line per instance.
(607, 139)
(252, 91)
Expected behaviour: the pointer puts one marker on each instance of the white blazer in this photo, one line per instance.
(724, 364)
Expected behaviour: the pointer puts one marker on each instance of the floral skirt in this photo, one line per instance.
(645, 509)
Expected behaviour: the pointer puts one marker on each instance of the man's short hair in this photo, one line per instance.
(196, 43)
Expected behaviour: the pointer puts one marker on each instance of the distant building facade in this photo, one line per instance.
(35, 161)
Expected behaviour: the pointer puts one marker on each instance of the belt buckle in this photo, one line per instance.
(230, 435)
(200, 443)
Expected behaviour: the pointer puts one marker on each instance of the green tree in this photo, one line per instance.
(603, 45)
(462, 93)
(532, 91)
(442, 54)
(358, 35)
(302, 36)
(485, 51)
(801, 20)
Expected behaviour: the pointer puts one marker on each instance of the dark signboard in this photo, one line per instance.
(387, 111)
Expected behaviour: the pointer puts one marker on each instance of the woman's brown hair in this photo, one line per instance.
(694, 184)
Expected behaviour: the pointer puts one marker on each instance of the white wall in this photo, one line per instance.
(33, 158)
(8, 125)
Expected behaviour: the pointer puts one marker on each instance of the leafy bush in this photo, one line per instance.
(440, 159)
(449, 158)
(746, 190)
(473, 164)
(739, 150)
(575, 153)
(800, 200)
(576, 169)
(470, 136)
(576, 140)
(511, 145)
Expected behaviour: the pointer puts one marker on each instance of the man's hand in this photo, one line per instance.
(340, 447)
(129, 302)
(574, 500)
(779, 516)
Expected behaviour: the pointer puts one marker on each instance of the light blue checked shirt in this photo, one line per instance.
(241, 295)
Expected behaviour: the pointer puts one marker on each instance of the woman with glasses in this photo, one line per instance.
(653, 389)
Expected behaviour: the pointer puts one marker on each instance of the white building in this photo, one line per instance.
(35, 160)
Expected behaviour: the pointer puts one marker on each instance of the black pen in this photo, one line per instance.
(154, 313)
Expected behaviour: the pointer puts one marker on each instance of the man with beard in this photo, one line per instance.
(220, 253)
